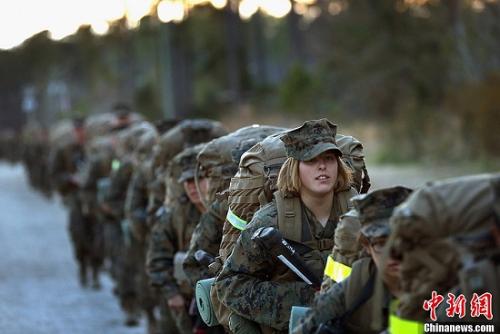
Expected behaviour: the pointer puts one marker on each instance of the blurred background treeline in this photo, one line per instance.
(416, 80)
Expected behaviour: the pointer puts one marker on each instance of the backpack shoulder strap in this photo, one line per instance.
(344, 200)
(289, 216)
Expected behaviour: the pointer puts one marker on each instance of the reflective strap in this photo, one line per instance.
(236, 221)
(399, 325)
(115, 164)
(336, 271)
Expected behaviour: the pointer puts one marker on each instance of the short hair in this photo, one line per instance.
(289, 179)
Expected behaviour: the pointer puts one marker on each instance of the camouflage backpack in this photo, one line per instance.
(185, 134)
(220, 157)
(254, 184)
(441, 233)
(218, 161)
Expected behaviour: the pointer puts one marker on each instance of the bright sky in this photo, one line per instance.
(20, 19)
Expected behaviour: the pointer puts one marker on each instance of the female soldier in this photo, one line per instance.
(314, 188)
(349, 305)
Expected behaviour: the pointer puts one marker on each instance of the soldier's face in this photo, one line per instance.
(391, 266)
(192, 192)
(319, 175)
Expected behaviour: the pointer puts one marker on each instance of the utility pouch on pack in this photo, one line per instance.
(179, 274)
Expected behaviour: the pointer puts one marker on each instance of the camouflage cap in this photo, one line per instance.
(311, 139)
(376, 208)
(187, 159)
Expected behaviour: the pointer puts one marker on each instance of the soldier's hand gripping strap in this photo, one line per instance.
(272, 240)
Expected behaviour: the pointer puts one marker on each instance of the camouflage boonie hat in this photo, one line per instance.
(311, 139)
(375, 209)
(187, 159)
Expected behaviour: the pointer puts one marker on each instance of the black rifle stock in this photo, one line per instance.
(272, 240)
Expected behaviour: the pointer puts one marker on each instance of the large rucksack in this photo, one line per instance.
(441, 233)
(254, 184)
(185, 134)
(219, 159)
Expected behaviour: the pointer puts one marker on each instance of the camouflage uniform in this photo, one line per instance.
(114, 201)
(170, 238)
(219, 159)
(117, 230)
(97, 167)
(349, 305)
(346, 250)
(259, 287)
(66, 161)
(206, 236)
(135, 210)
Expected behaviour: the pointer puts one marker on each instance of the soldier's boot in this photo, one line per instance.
(82, 271)
(96, 284)
(131, 312)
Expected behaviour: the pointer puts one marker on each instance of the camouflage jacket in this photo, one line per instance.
(97, 167)
(120, 179)
(156, 193)
(169, 235)
(206, 236)
(136, 202)
(333, 304)
(65, 163)
(258, 286)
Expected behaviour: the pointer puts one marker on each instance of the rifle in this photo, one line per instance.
(272, 240)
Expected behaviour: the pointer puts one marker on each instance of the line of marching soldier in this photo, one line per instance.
(268, 230)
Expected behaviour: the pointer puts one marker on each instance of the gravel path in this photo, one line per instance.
(39, 292)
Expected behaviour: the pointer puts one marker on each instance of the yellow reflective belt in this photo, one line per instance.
(399, 325)
(236, 221)
(336, 271)
(115, 164)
